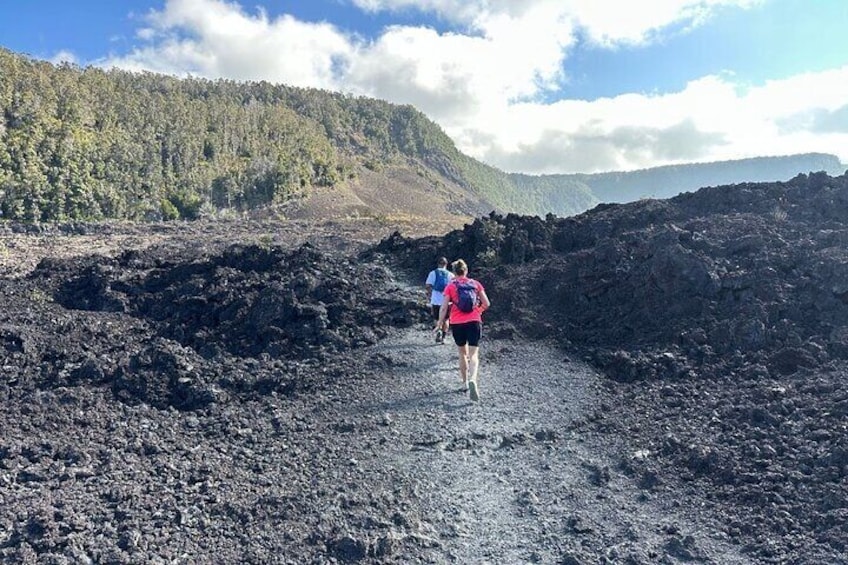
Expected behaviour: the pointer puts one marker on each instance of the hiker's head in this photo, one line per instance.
(459, 268)
(443, 262)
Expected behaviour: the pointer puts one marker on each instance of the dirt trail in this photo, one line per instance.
(515, 478)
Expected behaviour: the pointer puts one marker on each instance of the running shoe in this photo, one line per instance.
(472, 391)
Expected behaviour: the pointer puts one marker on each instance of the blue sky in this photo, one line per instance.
(537, 86)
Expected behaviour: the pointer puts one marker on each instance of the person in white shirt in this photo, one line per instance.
(435, 284)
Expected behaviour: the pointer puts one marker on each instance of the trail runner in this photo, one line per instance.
(466, 300)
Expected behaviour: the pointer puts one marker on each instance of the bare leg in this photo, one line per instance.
(463, 362)
(473, 362)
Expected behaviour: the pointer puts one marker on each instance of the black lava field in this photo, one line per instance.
(185, 403)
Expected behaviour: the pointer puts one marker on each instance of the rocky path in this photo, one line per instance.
(149, 414)
(518, 478)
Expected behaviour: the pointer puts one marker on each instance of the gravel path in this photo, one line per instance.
(516, 478)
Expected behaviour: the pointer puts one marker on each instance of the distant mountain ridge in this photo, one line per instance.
(671, 180)
(88, 144)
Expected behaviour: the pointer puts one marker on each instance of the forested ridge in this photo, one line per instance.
(89, 144)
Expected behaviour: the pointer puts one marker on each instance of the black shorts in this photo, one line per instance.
(468, 333)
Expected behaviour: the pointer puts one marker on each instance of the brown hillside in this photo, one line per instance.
(394, 194)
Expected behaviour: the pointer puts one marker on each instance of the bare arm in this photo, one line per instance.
(484, 301)
(443, 312)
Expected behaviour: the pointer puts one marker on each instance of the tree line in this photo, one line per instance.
(88, 144)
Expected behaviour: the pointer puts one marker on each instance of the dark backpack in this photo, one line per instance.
(466, 295)
(441, 280)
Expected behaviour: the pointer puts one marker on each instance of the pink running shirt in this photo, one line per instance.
(452, 295)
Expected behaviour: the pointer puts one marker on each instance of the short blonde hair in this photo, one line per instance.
(459, 267)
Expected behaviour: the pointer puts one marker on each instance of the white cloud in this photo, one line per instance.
(610, 22)
(485, 79)
(213, 38)
(711, 119)
(606, 22)
(64, 57)
(455, 78)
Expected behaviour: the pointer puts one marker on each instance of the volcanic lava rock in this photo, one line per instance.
(730, 293)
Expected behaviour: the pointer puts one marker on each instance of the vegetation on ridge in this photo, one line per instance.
(89, 144)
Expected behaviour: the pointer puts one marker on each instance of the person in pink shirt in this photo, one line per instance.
(467, 300)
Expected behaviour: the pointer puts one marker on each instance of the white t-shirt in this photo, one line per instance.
(436, 297)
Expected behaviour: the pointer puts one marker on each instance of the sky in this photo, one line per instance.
(531, 86)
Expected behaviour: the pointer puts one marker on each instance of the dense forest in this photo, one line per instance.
(88, 144)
